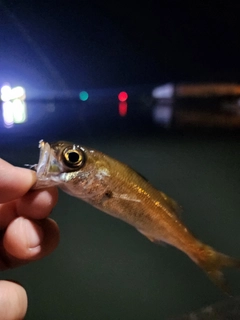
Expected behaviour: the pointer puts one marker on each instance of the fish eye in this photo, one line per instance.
(73, 158)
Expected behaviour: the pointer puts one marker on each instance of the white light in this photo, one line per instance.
(19, 111)
(7, 112)
(5, 88)
(17, 93)
(163, 92)
(6, 93)
(14, 112)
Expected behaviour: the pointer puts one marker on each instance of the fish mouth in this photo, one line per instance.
(47, 169)
(42, 168)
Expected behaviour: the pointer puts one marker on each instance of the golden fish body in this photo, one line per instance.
(116, 189)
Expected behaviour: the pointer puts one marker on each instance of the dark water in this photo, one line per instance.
(103, 268)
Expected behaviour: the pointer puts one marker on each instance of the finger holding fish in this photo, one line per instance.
(25, 240)
(37, 204)
(24, 223)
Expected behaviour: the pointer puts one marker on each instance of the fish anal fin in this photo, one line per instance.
(159, 242)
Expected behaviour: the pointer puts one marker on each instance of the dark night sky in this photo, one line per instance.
(97, 44)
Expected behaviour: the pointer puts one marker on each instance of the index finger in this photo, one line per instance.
(14, 181)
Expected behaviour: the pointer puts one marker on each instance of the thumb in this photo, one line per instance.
(14, 181)
(13, 301)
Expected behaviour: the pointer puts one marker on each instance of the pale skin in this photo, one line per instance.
(26, 232)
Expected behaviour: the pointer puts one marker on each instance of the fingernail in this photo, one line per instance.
(34, 233)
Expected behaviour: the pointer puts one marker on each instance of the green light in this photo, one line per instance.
(83, 95)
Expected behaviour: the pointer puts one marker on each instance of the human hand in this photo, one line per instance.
(26, 232)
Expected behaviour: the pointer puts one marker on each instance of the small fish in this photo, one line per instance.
(118, 190)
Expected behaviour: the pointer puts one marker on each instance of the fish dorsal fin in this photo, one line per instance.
(177, 209)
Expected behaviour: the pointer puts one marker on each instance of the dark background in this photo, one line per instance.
(103, 43)
(103, 268)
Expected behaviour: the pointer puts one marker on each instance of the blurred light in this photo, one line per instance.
(162, 114)
(13, 107)
(83, 95)
(7, 114)
(19, 111)
(122, 108)
(8, 93)
(50, 107)
(163, 92)
(18, 93)
(5, 93)
(122, 96)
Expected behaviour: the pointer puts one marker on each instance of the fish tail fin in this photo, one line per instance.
(212, 262)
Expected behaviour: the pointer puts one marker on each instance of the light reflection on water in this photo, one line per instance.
(76, 117)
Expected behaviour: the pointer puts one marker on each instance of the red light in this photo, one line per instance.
(122, 108)
(122, 96)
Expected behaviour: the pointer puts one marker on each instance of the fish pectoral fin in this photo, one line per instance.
(124, 196)
(159, 242)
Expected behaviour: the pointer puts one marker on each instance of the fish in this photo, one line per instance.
(116, 189)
